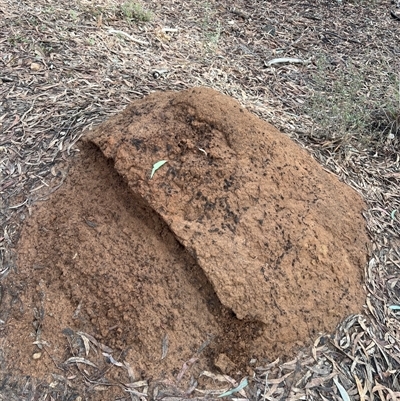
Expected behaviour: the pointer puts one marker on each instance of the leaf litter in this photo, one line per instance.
(60, 75)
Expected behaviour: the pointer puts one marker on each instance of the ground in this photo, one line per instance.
(66, 67)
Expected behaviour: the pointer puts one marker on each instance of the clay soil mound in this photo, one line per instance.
(241, 246)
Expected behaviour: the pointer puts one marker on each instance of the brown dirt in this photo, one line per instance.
(279, 260)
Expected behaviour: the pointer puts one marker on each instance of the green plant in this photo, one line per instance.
(212, 37)
(134, 11)
(90, 41)
(211, 29)
(74, 15)
(352, 104)
(16, 39)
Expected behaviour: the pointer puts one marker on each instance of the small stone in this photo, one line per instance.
(37, 355)
(36, 67)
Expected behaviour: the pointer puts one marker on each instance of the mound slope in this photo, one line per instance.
(239, 246)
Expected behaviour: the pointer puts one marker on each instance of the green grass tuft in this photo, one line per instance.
(135, 11)
(351, 105)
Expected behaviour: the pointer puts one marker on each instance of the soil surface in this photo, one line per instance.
(241, 246)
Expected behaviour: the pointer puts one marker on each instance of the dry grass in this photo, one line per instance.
(67, 65)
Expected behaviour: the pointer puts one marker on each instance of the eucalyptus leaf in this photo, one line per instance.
(342, 390)
(241, 386)
(394, 307)
(75, 359)
(156, 166)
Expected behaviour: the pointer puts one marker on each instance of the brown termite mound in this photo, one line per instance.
(240, 246)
